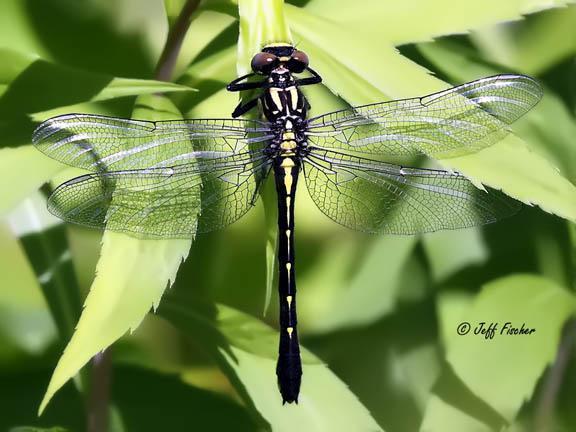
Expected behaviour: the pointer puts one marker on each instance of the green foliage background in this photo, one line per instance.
(378, 315)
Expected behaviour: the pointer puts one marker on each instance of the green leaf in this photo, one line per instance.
(502, 372)
(131, 276)
(24, 319)
(451, 306)
(523, 299)
(205, 27)
(16, 63)
(447, 416)
(34, 85)
(44, 240)
(260, 23)
(16, 30)
(94, 35)
(450, 251)
(402, 22)
(325, 402)
(360, 77)
(122, 87)
(22, 171)
(344, 291)
(270, 201)
(549, 38)
(219, 66)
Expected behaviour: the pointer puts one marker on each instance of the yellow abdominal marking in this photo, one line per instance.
(289, 301)
(288, 267)
(290, 330)
(287, 164)
(288, 145)
(288, 201)
(288, 238)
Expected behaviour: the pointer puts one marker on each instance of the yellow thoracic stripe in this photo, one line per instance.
(293, 97)
(276, 98)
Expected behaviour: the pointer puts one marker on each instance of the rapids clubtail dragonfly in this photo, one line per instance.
(172, 179)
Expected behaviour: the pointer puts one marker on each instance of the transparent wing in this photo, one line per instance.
(453, 122)
(378, 197)
(171, 202)
(99, 143)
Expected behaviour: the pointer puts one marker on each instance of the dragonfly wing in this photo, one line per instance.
(378, 197)
(449, 123)
(99, 143)
(169, 202)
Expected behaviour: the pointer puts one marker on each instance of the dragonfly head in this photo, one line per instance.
(279, 58)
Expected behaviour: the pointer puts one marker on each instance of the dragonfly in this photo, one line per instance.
(174, 179)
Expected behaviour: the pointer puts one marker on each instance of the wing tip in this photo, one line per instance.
(46, 128)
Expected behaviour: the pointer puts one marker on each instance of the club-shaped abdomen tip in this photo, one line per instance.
(289, 372)
(289, 395)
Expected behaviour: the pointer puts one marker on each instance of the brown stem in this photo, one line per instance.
(99, 397)
(544, 416)
(176, 35)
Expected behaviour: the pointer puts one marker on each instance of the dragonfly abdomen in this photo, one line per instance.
(289, 367)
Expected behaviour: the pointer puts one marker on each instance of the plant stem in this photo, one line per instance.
(544, 417)
(99, 397)
(176, 35)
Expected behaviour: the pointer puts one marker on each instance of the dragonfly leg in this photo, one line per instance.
(243, 108)
(236, 85)
(314, 79)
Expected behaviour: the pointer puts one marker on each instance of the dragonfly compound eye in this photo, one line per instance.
(264, 63)
(298, 62)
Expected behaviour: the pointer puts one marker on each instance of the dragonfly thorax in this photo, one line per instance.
(283, 99)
